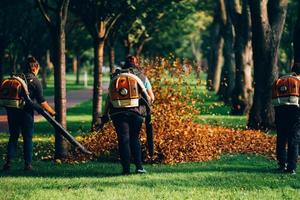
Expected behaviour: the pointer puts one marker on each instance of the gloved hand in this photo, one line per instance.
(48, 108)
(104, 119)
(101, 121)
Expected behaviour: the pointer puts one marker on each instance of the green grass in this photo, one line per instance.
(231, 177)
(78, 121)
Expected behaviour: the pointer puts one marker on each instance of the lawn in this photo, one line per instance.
(230, 177)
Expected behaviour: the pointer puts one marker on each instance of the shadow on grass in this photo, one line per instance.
(51, 170)
(239, 171)
(109, 165)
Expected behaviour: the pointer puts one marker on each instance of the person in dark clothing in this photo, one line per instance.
(128, 123)
(22, 120)
(287, 120)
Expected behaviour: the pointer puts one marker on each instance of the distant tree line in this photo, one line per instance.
(246, 55)
(59, 32)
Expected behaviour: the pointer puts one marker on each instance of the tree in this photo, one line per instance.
(228, 71)
(241, 98)
(216, 56)
(56, 25)
(267, 24)
(98, 18)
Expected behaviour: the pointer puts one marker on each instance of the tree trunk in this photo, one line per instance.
(140, 47)
(48, 60)
(216, 58)
(241, 99)
(267, 25)
(228, 72)
(74, 64)
(43, 62)
(111, 58)
(97, 90)
(217, 63)
(78, 70)
(61, 146)
(57, 30)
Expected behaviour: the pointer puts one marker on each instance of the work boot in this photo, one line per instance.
(290, 171)
(140, 171)
(6, 166)
(28, 167)
(281, 169)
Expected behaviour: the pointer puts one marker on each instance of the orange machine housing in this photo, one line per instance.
(10, 93)
(286, 86)
(11, 89)
(124, 87)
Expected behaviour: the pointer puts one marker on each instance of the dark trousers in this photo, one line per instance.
(128, 126)
(287, 121)
(20, 121)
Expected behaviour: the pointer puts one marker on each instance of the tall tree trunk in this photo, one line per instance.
(216, 56)
(78, 70)
(228, 72)
(61, 146)
(57, 30)
(97, 93)
(44, 67)
(74, 64)
(48, 60)
(267, 24)
(241, 99)
(111, 57)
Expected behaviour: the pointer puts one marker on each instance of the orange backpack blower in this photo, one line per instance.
(12, 91)
(125, 90)
(286, 91)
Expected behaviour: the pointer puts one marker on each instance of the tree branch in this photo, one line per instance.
(111, 23)
(43, 12)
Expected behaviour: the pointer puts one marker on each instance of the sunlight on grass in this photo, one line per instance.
(231, 177)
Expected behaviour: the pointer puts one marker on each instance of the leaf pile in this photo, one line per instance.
(177, 138)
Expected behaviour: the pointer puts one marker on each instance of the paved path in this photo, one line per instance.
(73, 98)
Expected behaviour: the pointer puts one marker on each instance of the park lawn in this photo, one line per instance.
(231, 177)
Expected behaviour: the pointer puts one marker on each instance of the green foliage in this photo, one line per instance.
(286, 44)
(179, 30)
